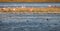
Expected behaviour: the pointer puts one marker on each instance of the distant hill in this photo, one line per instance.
(29, 0)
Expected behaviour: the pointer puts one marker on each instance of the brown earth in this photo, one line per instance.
(29, 0)
(31, 10)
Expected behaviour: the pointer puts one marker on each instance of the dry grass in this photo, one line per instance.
(29, 0)
(28, 10)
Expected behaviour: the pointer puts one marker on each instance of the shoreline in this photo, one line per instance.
(30, 10)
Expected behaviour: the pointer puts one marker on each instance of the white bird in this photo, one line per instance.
(49, 6)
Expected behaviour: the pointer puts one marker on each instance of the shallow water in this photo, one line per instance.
(29, 22)
(20, 4)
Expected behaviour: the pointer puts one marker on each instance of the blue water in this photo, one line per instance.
(29, 22)
(20, 4)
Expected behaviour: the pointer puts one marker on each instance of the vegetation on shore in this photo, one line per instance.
(30, 10)
(29, 0)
